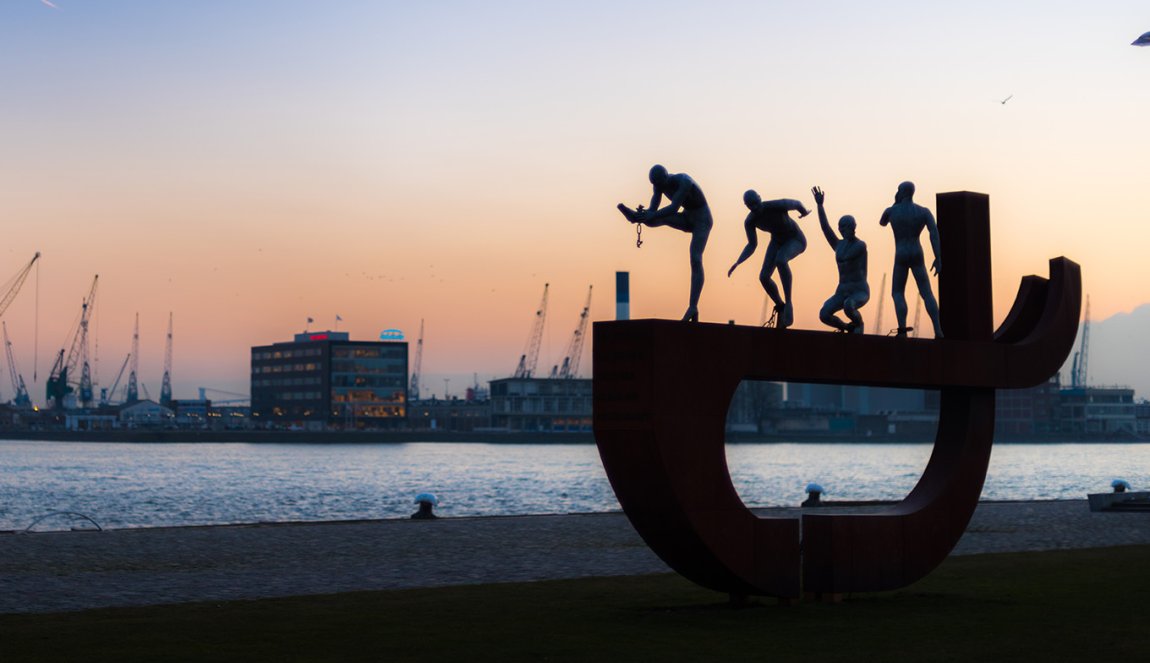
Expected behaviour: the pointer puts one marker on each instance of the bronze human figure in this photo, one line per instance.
(687, 211)
(907, 220)
(851, 256)
(787, 242)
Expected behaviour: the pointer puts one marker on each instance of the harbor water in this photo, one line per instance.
(121, 485)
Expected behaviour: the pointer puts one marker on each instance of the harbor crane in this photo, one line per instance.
(166, 383)
(530, 356)
(1078, 374)
(12, 288)
(570, 365)
(60, 381)
(20, 399)
(107, 395)
(133, 388)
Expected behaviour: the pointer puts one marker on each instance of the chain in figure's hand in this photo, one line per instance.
(639, 228)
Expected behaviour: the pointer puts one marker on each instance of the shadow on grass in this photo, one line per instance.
(1064, 605)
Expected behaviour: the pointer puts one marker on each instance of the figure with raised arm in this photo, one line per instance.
(787, 242)
(687, 211)
(907, 220)
(851, 256)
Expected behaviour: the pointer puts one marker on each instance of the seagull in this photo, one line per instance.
(1144, 40)
(1003, 102)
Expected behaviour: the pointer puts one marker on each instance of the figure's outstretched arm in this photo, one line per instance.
(823, 222)
(656, 198)
(885, 217)
(752, 243)
(676, 202)
(932, 228)
(786, 205)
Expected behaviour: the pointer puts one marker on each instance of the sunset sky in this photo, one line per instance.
(247, 165)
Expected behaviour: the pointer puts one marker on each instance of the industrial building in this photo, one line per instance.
(541, 405)
(324, 380)
(1030, 412)
(460, 415)
(560, 403)
(1098, 411)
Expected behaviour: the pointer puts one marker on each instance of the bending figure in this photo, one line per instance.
(907, 220)
(851, 256)
(787, 242)
(687, 211)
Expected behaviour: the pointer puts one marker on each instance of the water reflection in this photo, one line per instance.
(147, 485)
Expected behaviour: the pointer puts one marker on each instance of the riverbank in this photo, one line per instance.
(297, 437)
(160, 436)
(68, 571)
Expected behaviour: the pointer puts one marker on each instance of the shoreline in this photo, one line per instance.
(70, 571)
(169, 436)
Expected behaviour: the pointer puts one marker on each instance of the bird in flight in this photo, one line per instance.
(1144, 40)
(1003, 102)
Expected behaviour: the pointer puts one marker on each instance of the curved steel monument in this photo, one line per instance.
(662, 390)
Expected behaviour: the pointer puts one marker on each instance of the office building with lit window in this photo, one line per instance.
(325, 380)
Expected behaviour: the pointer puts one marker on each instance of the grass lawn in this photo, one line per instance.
(1083, 605)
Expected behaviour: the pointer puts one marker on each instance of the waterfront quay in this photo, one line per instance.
(70, 571)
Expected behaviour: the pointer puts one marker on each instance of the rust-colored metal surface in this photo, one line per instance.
(662, 390)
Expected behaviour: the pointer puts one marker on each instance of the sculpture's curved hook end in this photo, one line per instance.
(1042, 325)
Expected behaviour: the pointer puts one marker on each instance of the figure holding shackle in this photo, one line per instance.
(687, 211)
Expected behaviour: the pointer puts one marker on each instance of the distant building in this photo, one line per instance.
(752, 406)
(145, 414)
(551, 405)
(806, 420)
(454, 415)
(817, 396)
(859, 410)
(1142, 418)
(889, 400)
(90, 421)
(862, 400)
(325, 380)
(202, 413)
(191, 413)
(1028, 412)
(1098, 411)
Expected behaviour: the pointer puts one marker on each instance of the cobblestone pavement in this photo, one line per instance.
(64, 571)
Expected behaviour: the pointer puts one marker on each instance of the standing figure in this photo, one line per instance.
(787, 242)
(851, 256)
(687, 211)
(907, 220)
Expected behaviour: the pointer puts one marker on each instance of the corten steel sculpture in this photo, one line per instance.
(662, 390)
